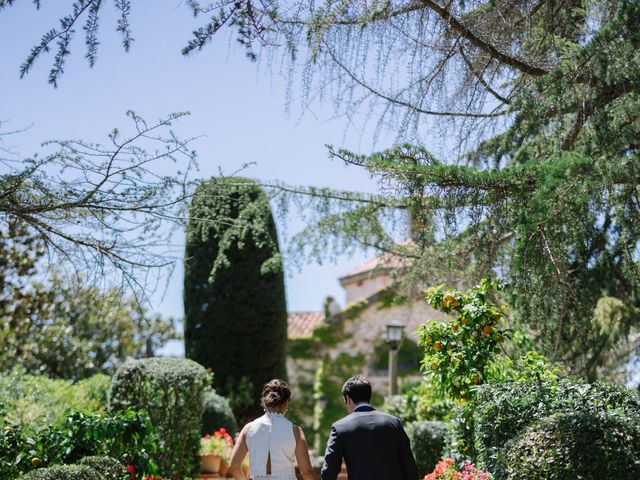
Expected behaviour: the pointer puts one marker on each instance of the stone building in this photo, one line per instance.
(327, 347)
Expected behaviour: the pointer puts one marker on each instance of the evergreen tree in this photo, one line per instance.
(234, 297)
(535, 104)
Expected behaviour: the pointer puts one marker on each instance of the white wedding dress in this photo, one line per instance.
(272, 434)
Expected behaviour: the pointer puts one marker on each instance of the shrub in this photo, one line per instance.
(400, 406)
(427, 443)
(36, 402)
(170, 390)
(217, 413)
(64, 472)
(503, 411)
(109, 467)
(126, 436)
(234, 287)
(574, 445)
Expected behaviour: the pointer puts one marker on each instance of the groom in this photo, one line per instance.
(374, 445)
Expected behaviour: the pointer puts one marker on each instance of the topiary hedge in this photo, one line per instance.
(503, 411)
(217, 413)
(109, 468)
(234, 297)
(171, 391)
(64, 472)
(427, 442)
(569, 446)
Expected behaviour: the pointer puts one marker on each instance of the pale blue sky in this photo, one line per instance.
(239, 108)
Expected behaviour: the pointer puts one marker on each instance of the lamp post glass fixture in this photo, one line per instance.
(395, 334)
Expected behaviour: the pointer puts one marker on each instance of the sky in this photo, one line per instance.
(238, 108)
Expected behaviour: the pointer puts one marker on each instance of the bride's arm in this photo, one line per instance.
(302, 455)
(239, 452)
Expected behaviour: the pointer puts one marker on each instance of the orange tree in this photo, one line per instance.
(461, 352)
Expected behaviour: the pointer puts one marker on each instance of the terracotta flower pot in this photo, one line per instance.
(224, 466)
(210, 463)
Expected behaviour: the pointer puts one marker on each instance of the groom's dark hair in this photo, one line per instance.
(357, 389)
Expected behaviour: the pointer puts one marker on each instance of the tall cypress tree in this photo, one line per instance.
(234, 297)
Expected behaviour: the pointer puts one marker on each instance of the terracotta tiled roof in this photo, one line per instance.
(301, 324)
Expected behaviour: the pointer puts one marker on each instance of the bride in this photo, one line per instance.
(274, 443)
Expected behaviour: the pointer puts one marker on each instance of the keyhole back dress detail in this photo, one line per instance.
(272, 435)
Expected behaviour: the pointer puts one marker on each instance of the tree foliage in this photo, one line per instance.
(63, 326)
(234, 297)
(103, 209)
(532, 105)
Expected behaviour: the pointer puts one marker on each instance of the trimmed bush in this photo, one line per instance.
(217, 413)
(503, 411)
(110, 468)
(574, 446)
(170, 390)
(427, 443)
(64, 472)
(234, 297)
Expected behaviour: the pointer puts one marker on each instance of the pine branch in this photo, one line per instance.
(483, 45)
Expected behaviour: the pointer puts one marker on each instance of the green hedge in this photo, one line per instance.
(110, 468)
(171, 391)
(503, 411)
(234, 296)
(35, 401)
(574, 446)
(64, 472)
(217, 413)
(427, 443)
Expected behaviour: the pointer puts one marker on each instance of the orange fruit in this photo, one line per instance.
(456, 303)
(487, 330)
(434, 365)
(464, 320)
(437, 345)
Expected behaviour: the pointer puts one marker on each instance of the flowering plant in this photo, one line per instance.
(446, 470)
(220, 443)
(131, 471)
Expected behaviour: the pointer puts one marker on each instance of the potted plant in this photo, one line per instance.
(213, 448)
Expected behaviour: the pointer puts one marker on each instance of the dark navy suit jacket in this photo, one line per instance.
(374, 446)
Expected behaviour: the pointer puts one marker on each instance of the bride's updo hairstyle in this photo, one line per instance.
(275, 394)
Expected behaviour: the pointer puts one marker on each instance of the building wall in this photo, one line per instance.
(356, 291)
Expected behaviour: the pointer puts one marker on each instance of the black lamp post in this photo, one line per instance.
(395, 334)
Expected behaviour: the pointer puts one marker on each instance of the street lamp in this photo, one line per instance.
(395, 333)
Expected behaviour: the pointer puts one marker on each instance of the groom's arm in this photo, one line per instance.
(332, 457)
(407, 460)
